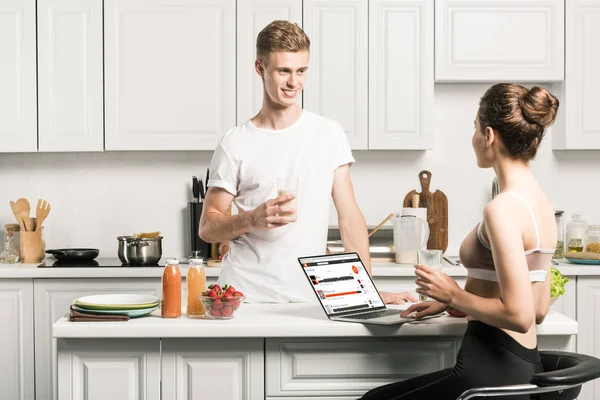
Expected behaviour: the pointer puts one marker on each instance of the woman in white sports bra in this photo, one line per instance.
(508, 256)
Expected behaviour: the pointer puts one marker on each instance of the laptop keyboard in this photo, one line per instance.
(382, 313)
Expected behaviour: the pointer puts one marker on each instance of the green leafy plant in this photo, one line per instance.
(557, 283)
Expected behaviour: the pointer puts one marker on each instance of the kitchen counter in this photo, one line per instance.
(380, 269)
(279, 320)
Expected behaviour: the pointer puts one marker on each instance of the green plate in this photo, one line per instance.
(129, 313)
(117, 301)
(580, 261)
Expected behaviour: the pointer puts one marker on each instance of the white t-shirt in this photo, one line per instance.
(247, 162)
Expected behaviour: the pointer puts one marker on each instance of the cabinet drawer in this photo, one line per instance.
(350, 367)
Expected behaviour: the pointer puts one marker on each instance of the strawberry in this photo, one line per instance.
(215, 286)
(230, 290)
(212, 293)
(238, 294)
(227, 295)
(227, 311)
(232, 302)
(217, 304)
(215, 313)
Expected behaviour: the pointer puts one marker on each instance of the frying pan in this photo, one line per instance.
(74, 254)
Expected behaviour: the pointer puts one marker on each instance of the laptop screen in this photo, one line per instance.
(341, 283)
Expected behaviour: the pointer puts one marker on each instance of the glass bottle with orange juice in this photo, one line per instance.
(171, 290)
(196, 284)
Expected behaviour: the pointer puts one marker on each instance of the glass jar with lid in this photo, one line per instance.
(10, 255)
(593, 238)
(560, 234)
(577, 233)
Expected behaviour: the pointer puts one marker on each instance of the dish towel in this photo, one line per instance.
(79, 316)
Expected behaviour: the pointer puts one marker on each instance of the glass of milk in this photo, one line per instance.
(432, 259)
(288, 185)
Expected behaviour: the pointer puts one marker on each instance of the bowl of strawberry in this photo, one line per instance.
(221, 303)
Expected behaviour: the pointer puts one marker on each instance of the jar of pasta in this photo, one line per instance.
(593, 238)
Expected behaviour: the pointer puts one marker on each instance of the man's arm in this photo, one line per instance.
(215, 226)
(353, 227)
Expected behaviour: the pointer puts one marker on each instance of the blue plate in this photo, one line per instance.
(129, 313)
(586, 262)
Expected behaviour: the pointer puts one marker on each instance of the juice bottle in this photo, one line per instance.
(196, 284)
(171, 290)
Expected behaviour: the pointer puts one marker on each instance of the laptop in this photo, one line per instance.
(347, 292)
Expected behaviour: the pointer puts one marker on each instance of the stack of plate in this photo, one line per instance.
(132, 305)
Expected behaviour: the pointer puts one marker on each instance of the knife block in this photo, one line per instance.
(31, 247)
(197, 245)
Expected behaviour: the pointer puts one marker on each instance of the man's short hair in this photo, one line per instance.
(280, 35)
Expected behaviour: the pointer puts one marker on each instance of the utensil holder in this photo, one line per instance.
(197, 245)
(31, 247)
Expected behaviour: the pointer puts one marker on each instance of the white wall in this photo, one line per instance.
(96, 197)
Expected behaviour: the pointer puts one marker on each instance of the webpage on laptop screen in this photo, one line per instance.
(342, 283)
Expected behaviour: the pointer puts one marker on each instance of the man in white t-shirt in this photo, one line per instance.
(282, 141)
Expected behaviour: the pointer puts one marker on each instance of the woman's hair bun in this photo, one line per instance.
(539, 106)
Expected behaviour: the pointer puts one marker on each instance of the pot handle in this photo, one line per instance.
(56, 253)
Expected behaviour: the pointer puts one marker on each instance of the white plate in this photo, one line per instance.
(118, 301)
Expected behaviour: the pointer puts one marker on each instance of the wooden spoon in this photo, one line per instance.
(30, 224)
(15, 210)
(24, 209)
(381, 224)
(41, 212)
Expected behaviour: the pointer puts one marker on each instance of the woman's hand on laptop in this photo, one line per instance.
(396, 298)
(424, 309)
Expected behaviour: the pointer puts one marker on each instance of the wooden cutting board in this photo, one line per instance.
(437, 212)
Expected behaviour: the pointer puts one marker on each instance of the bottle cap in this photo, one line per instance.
(197, 261)
(172, 261)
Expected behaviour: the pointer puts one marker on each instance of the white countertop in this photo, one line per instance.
(279, 320)
(379, 270)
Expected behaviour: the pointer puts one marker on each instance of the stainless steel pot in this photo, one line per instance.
(139, 251)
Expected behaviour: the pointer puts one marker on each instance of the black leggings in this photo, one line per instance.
(488, 357)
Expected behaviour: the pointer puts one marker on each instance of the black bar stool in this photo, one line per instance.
(564, 374)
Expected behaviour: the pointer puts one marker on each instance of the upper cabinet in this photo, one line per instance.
(401, 74)
(336, 83)
(169, 73)
(578, 126)
(252, 17)
(18, 114)
(499, 40)
(70, 105)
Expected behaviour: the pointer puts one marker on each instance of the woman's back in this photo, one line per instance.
(533, 214)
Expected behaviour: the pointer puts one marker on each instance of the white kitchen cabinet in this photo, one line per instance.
(70, 77)
(336, 83)
(350, 366)
(52, 300)
(401, 74)
(169, 73)
(588, 338)
(252, 17)
(122, 370)
(578, 126)
(198, 369)
(16, 339)
(18, 114)
(499, 40)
